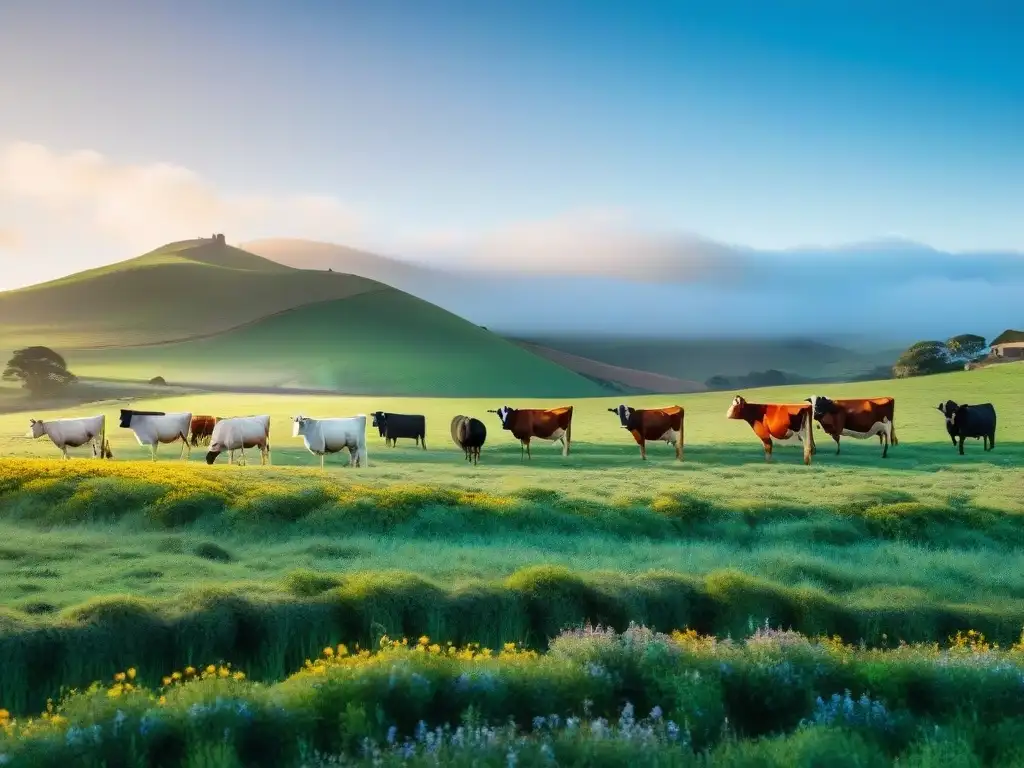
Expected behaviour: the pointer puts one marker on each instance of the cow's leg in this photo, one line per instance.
(767, 449)
(152, 450)
(423, 441)
(886, 433)
(961, 445)
(992, 440)
(643, 448)
(836, 438)
(186, 448)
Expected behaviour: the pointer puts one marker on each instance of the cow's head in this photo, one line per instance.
(299, 424)
(624, 412)
(821, 406)
(948, 409)
(504, 413)
(211, 456)
(736, 408)
(35, 429)
(959, 414)
(126, 418)
(380, 421)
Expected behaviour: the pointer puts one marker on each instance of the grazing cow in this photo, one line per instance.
(554, 424)
(860, 418)
(977, 421)
(469, 434)
(653, 424)
(154, 427)
(323, 436)
(201, 430)
(240, 432)
(395, 425)
(785, 423)
(74, 433)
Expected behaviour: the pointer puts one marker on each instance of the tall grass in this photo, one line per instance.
(597, 697)
(159, 565)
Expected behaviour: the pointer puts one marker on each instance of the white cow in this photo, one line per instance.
(154, 427)
(323, 436)
(74, 433)
(240, 432)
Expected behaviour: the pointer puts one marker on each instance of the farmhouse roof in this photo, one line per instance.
(1008, 336)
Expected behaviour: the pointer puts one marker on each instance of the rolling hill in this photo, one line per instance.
(201, 312)
(382, 342)
(179, 290)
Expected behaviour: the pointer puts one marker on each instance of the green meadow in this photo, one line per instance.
(105, 564)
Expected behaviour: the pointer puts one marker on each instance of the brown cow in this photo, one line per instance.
(525, 423)
(201, 429)
(653, 424)
(861, 418)
(786, 423)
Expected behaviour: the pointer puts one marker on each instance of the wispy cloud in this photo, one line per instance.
(144, 205)
(584, 242)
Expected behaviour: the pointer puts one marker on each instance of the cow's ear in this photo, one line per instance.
(807, 399)
(939, 408)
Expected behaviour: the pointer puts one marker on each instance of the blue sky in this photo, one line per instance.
(762, 124)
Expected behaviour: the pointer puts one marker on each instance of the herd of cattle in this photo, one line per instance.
(779, 422)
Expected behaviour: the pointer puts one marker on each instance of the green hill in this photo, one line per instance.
(384, 342)
(205, 313)
(181, 290)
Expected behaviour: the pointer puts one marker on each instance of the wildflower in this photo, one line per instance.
(119, 677)
(131, 673)
(223, 672)
(424, 640)
(211, 669)
(4, 715)
(328, 652)
(166, 681)
(239, 676)
(656, 713)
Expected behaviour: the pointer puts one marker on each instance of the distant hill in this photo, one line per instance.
(203, 312)
(701, 359)
(639, 381)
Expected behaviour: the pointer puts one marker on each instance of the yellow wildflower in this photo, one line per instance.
(4, 715)
(239, 675)
(328, 651)
(176, 676)
(190, 671)
(131, 673)
(162, 700)
(223, 672)
(210, 670)
(119, 677)
(166, 681)
(342, 650)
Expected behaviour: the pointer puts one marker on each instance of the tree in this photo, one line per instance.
(965, 347)
(39, 369)
(923, 358)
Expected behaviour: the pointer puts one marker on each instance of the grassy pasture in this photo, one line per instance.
(111, 563)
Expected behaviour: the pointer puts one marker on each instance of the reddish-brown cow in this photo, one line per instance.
(525, 423)
(201, 429)
(783, 422)
(653, 424)
(861, 418)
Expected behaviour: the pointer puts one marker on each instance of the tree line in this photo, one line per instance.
(927, 357)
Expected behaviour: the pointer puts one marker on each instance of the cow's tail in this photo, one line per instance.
(808, 428)
(679, 435)
(568, 435)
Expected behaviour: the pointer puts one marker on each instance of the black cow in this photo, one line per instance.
(469, 434)
(963, 421)
(395, 425)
